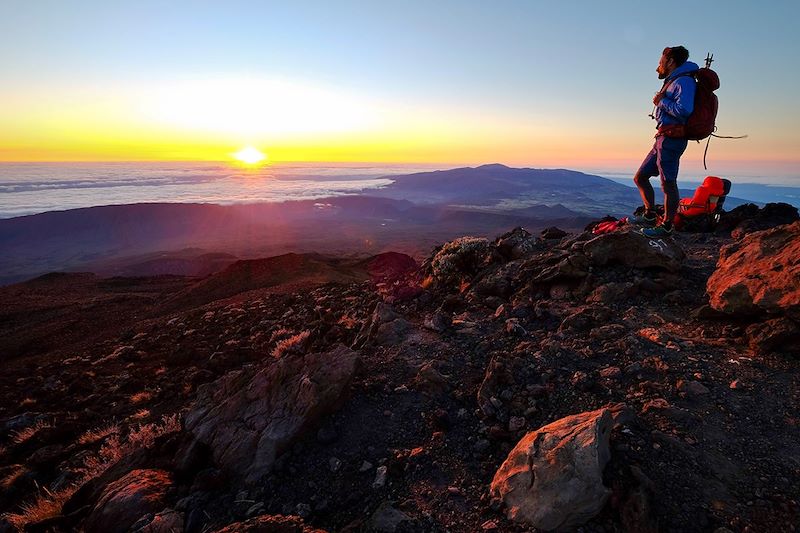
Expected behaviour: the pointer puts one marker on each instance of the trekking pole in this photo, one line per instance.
(709, 60)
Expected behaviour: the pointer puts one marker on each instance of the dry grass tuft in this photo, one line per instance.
(99, 433)
(49, 504)
(9, 480)
(46, 505)
(292, 345)
(141, 397)
(141, 414)
(280, 334)
(25, 434)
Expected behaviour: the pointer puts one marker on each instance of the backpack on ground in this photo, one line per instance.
(701, 212)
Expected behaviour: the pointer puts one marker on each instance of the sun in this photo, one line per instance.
(249, 155)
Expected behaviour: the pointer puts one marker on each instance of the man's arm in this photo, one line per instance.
(680, 103)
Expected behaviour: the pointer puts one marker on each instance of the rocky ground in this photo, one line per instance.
(373, 396)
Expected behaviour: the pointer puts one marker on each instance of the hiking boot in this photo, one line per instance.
(658, 231)
(643, 220)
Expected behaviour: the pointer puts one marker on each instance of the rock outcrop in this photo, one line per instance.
(249, 418)
(760, 274)
(553, 478)
(634, 250)
(128, 499)
(749, 218)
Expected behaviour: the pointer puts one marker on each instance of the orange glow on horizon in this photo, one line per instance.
(303, 123)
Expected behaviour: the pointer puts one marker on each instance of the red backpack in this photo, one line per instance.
(701, 122)
(701, 212)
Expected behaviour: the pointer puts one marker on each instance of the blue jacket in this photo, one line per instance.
(678, 101)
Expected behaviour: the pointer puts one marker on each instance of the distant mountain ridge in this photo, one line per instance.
(409, 215)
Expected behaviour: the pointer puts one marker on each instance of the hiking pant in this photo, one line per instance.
(662, 161)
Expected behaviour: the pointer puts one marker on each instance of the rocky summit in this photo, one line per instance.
(547, 382)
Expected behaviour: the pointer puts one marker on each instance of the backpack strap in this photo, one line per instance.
(668, 83)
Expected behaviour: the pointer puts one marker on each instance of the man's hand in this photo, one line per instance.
(657, 98)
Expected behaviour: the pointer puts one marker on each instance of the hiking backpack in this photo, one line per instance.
(701, 122)
(701, 212)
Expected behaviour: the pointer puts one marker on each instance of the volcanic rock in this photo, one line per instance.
(166, 521)
(633, 250)
(516, 243)
(748, 218)
(761, 273)
(129, 498)
(553, 478)
(249, 417)
(386, 518)
(778, 333)
(430, 380)
(553, 233)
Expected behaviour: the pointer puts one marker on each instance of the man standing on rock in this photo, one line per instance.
(673, 105)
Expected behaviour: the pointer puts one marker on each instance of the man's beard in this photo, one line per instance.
(662, 75)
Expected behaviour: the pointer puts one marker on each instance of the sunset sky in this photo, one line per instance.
(522, 83)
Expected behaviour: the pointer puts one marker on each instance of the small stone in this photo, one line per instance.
(735, 384)
(387, 519)
(610, 372)
(516, 423)
(304, 510)
(481, 446)
(366, 465)
(335, 464)
(691, 388)
(255, 510)
(489, 525)
(380, 477)
(513, 327)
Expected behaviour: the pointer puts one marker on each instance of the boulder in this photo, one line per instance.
(633, 250)
(557, 266)
(249, 417)
(553, 478)
(515, 244)
(780, 334)
(167, 521)
(553, 233)
(126, 500)
(749, 218)
(759, 274)
(391, 333)
(386, 518)
(270, 524)
(430, 380)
